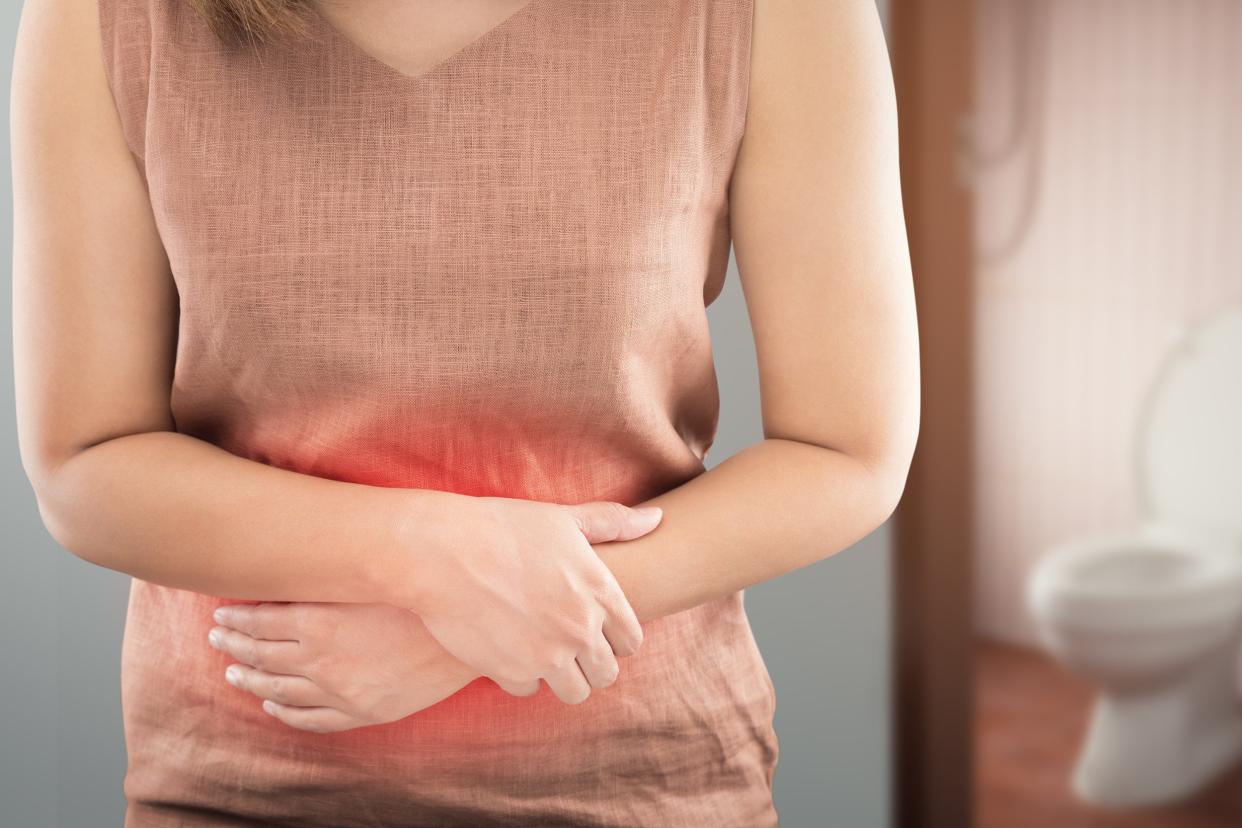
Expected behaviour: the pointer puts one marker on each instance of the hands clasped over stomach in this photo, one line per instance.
(527, 598)
(519, 595)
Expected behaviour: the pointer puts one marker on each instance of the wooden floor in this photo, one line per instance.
(1030, 716)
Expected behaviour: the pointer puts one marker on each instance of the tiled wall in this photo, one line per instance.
(1129, 174)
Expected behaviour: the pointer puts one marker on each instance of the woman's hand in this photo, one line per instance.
(329, 667)
(516, 591)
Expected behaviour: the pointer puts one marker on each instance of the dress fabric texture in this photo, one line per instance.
(488, 278)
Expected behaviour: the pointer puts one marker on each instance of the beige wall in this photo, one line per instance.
(1134, 228)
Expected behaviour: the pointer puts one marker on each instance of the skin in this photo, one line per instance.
(352, 627)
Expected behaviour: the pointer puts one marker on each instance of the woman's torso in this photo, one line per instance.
(489, 278)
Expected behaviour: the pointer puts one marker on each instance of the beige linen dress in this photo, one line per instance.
(488, 278)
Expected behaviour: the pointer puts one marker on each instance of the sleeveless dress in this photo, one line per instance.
(489, 278)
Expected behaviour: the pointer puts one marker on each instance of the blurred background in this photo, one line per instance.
(1067, 557)
(1047, 632)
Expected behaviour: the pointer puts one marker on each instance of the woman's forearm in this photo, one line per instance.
(177, 511)
(776, 506)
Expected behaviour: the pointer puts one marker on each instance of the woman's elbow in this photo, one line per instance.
(890, 471)
(51, 476)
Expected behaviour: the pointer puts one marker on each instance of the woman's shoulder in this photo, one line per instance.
(65, 49)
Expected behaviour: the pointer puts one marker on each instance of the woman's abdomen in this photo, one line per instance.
(684, 736)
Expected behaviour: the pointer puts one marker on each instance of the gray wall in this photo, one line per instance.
(823, 631)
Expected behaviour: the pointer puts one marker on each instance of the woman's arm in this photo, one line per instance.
(95, 331)
(822, 253)
(95, 324)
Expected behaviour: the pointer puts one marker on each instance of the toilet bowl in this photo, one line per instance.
(1152, 615)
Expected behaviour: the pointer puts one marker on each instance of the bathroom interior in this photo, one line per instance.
(1077, 235)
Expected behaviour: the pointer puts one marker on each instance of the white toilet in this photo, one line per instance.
(1153, 615)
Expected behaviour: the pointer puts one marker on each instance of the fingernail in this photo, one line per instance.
(649, 511)
(213, 638)
(269, 707)
(221, 615)
(233, 675)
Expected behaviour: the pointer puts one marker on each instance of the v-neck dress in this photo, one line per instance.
(490, 278)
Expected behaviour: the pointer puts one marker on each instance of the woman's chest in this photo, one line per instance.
(489, 231)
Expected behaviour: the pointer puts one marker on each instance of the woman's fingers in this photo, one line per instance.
(569, 684)
(606, 521)
(273, 621)
(297, 691)
(621, 625)
(271, 656)
(599, 664)
(597, 667)
(518, 688)
(603, 521)
(314, 719)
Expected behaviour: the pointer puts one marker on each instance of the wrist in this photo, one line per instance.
(423, 525)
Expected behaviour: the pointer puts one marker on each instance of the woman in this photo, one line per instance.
(380, 325)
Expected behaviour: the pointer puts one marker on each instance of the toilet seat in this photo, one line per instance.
(1183, 566)
(1157, 577)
